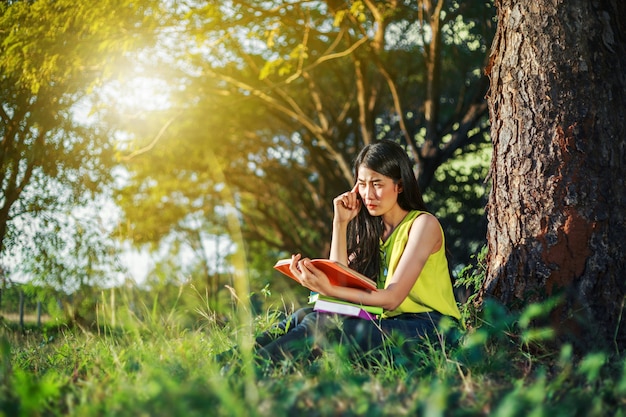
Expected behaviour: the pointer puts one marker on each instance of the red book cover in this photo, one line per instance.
(338, 274)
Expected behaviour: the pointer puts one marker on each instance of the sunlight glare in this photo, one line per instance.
(140, 93)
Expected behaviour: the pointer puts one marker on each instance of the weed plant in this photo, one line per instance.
(147, 363)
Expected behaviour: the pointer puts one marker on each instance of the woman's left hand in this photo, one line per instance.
(308, 275)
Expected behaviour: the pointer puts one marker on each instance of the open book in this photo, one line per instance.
(338, 274)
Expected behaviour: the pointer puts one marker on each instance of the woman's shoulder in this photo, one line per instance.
(427, 231)
(425, 221)
(425, 216)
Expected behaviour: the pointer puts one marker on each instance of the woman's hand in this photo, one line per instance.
(347, 205)
(309, 276)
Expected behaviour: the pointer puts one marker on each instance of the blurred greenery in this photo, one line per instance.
(55, 167)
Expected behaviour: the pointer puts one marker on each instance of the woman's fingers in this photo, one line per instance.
(350, 199)
(354, 197)
(300, 270)
(347, 205)
(293, 266)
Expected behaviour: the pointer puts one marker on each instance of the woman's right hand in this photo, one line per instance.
(347, 205)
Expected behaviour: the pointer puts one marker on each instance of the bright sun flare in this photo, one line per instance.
(141, 93)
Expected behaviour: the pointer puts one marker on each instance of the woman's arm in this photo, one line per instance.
(424, 238)
(346, 207)
(339, 244)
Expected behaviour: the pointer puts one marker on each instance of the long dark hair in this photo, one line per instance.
(364, 231)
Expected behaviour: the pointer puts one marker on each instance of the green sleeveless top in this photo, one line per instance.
(433, 288)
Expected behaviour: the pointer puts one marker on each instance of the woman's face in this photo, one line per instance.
(379, 193)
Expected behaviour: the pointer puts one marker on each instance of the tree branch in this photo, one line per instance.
(295, 112)
(154, 141)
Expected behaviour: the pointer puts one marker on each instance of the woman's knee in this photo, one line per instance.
(299, 316)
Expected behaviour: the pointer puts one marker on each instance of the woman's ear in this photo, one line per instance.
(400, 188)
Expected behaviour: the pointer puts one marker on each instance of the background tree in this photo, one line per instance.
(279, 96)
(52, 162)
(557, 210)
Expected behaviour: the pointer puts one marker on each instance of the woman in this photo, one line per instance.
(380, 228)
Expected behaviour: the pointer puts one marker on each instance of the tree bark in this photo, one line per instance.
(557, 209)
(21, 310)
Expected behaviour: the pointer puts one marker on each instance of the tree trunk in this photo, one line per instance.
(3, 286)
(21, 310)
(557, 209)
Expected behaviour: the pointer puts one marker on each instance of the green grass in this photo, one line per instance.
(153, 366)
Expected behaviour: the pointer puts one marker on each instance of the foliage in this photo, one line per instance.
(269, 103)
(53, 163)
(260, 105)
(154, 366)
(48, 298)
(457, 198)
(471, 277)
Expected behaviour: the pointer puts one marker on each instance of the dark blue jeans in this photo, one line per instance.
(306, 333)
